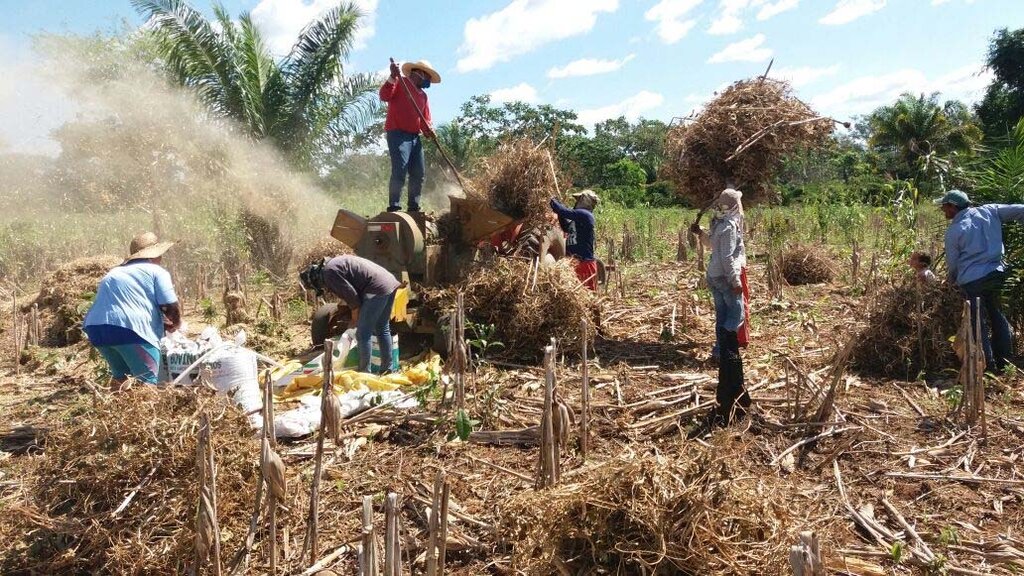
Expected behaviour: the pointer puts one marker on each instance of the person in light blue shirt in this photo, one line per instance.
(975, 262)
(135, 303)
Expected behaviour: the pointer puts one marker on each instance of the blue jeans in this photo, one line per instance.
(406, 152)
(141, 361)
(728, 310)
(375, 320)
(999, 346)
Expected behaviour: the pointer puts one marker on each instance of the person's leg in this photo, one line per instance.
(730, 372)
(119, 369)
(417, 170)
(975, 292)
(1001, 340)
(143, 361)
(719, 298)
(398, 151)
(364, 330)
(383, 333)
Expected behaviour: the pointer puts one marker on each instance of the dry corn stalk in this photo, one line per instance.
(332, 415)
(273, 472)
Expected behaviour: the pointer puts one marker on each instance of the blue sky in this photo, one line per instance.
(605, 58)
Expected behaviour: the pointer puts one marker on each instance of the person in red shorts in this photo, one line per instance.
(579, 226)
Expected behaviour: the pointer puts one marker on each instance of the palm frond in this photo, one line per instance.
(193, 51)
(346, 116)
(261, 85)
(316, 60)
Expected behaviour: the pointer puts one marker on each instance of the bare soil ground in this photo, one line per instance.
(895, 483)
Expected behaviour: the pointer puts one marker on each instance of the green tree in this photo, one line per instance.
(490, 124)
(304, 103)
(1003, 104)
(642, 142)
(922, 137)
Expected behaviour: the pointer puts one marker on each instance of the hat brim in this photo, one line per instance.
(408, 67)
(155, 251)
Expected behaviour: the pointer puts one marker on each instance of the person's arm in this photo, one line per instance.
(172, 316)
(1009, 212)
(560, 209)
(727, 244)
(952, 254)
(167, 300)
(387, 91)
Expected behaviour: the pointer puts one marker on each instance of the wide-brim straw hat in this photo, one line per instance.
(408, 67)
(147, 245)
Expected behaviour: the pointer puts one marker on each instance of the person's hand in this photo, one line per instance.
(394, 69)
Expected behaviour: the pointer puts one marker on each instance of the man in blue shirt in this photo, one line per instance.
(974, 261)
(135, 303)
(578, 224)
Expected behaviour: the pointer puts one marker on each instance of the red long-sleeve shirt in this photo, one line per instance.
(402, 114)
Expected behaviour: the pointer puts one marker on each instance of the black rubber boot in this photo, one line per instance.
(733, 400)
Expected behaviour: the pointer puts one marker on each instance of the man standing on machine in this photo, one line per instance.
(408, 117)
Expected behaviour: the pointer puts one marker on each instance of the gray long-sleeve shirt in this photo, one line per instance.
(354, 279)
(728, 256)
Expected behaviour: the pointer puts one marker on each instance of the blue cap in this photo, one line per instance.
(956, 198)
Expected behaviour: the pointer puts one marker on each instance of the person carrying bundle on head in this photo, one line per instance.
(579, 225)
(408, 116)
(369, 290)
(974, 261)
(725, 279)
(135, 304)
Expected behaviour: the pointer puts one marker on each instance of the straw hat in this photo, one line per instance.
(146, 245)
(423, 65)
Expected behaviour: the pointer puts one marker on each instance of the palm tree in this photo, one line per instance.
(921, 135)
(304, 103)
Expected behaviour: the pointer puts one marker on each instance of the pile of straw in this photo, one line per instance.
(753, 120)
(526, 313)
(682, 514)
(890, 344)
(140, 443)
(66, 295)
(518, 180)
(806, 264)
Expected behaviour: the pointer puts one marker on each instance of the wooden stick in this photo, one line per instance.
(585, 396)
(326, 560)
(434, 524)
(269, 441)
(15, 316)
(392, 550)
(964, 479)
(35, 325)
(313, 518)
(442, 551)
(501, 468)
(369, 539)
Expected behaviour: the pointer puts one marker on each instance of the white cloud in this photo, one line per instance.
(728, 20)
(522, 92)
(731, 12)
(588, 67)
(523, 26)
(631, 108)
(670, 15)
(282, 20)
(771, 9)
(749, 50)
(940, 2)
(804, 75)
(846, 11)
(864, 94)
